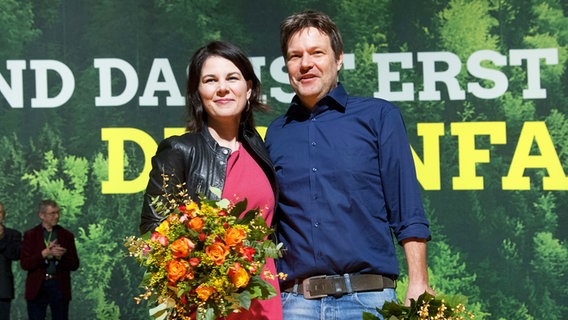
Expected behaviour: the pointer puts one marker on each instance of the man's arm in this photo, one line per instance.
(415, 251)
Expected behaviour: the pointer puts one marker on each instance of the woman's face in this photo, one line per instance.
(223, 90)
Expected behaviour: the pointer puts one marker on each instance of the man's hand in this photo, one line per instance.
(54, 250)
(414, 291)
(58, 251)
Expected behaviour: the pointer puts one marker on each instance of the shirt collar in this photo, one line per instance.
(335, 99)
(52, 229)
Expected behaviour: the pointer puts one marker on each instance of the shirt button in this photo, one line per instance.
(314, 169)
(316, 224)
(314, 143)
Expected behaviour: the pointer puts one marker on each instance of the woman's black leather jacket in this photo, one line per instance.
(197, 160)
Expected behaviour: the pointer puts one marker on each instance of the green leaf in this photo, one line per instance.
(369, 316)
(391, 308)
(223, 203)
(245, 299)
(209, 314)
(260, 289)
(216, 191)
(159, 312)
(249, 216)
(239, 208)
(147, 235)
(201, 315)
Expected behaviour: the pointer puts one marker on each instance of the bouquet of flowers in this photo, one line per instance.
(427, 307)
(204, 260)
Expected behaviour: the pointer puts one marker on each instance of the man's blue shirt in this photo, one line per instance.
(347, 184)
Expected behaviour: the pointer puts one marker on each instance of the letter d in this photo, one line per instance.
(116, 138)
(105, 66)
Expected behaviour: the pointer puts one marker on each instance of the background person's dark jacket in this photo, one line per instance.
(9, 251)
(32, 261)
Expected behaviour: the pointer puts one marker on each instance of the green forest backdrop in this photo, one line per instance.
(502, 242)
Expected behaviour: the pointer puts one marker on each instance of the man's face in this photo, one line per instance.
(312, 66)
(50, 217)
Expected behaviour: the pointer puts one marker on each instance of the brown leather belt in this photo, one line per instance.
(338, 285)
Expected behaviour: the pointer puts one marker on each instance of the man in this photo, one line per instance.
(10, 242)
(347, 183)
(49, 255)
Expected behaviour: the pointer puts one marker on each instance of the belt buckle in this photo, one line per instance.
(306, 286)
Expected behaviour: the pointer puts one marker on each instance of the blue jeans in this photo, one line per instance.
(346, 307)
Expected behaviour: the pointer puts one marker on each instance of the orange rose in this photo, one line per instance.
(239, 276)
(204, 292)
(196, 224)
(234, 236)
(182, 247)
(217, 252)
(177, 269)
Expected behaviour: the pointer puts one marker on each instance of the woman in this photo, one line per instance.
(221, 149)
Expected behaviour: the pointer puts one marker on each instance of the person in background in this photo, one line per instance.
(347, 183)
(48, 255)
(10, 242)
(222, 148)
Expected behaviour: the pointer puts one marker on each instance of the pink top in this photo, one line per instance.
(245, 179)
